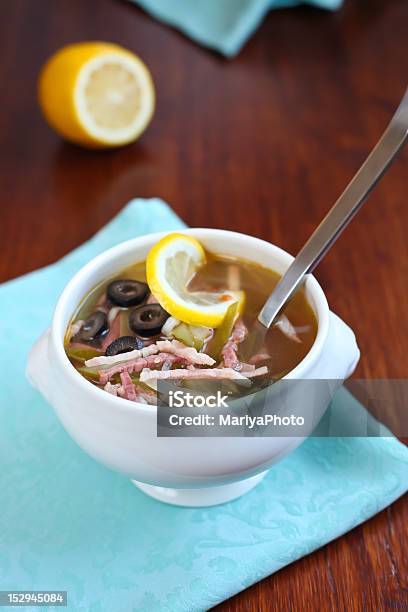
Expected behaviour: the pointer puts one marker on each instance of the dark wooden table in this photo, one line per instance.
(261, 144)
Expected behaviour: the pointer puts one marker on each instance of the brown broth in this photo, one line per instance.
(257, 282)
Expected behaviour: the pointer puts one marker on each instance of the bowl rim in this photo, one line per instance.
(320, 308)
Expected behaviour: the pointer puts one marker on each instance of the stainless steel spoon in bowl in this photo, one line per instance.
(338, 217)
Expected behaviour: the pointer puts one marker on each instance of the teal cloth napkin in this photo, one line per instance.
(223, 25)
(68, 523)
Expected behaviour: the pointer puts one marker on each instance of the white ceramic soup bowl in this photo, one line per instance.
(199, 471)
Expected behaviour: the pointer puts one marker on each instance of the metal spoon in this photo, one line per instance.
(338, 217)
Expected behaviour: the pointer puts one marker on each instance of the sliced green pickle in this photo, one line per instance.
(223, 332)
(124, 323)
(183, 333)
(91, 374)
(200, 335)
(191, 335)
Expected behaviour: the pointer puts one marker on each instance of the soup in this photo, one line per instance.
(123, 340)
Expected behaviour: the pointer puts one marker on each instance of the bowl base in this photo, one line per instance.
(196, 498)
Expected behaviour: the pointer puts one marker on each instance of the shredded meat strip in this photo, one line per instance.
(246, 367)
(137, 365)
(128, 390)
(240, 331)
(161, 346)
(112, 389)
(75, 328)
(257, 372)
(122, 357)
(230, 350)
(197, 373)
(185, 352)
(114, 332)
(287, 328)
(259, 357)
(187, 373)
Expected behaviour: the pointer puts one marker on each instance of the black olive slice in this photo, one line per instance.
(124, 344)
(96, 325)
(127, 292)
(148, 320)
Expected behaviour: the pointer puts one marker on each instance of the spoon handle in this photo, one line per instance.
(340, 215)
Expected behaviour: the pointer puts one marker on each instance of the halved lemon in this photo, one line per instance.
(96, 94)
(170, 266)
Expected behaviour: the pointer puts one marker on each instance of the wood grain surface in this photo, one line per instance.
(261, 144)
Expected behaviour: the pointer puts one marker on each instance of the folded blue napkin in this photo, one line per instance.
(223, 25)
(68, 523)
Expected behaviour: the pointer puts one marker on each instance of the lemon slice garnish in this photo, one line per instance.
(170, 266)
(96, 94)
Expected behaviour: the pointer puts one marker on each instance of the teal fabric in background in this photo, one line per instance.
(68, 523)
(223, 25)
